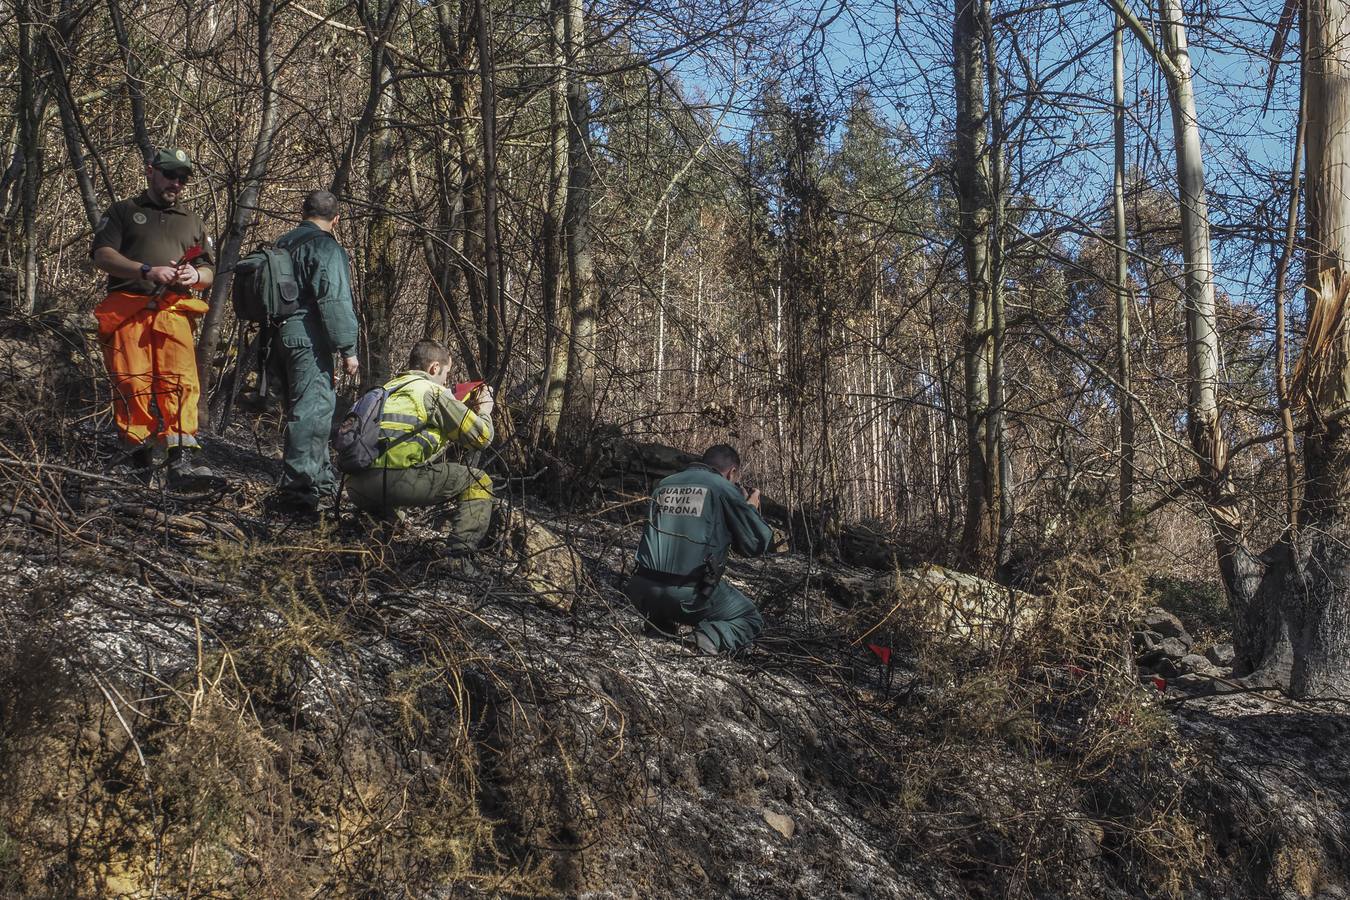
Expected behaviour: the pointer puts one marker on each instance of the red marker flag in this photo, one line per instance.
(465, 388)
(883, 653)
(189, 255)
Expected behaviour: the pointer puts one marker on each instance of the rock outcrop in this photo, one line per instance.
(1166, 655)
(943, 600)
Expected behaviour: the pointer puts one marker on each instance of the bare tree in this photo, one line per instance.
(976, 198)
(1122, 288)
(579, 395)
(243, 208)
(1322, 589)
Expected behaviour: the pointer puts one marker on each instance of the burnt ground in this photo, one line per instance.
(198, 701)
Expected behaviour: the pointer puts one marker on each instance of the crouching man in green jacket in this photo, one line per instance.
(696, 516)
(428, 433)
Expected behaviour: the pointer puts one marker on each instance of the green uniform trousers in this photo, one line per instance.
(381, 491)
(306, 371)
(728, 618)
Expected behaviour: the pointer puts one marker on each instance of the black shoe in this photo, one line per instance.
(136, 465)
(292, 506)
(184, 473)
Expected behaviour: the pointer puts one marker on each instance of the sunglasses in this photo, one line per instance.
(177, 175)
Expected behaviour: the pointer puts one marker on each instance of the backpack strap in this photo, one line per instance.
(386, 443)
(317, 233)
(290, 251)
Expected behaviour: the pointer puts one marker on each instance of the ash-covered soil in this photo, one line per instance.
(198, 701)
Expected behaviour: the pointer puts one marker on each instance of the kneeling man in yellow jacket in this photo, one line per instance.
(429, 433)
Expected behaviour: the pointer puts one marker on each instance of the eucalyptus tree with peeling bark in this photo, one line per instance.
(1253, 587)
(1322, 588)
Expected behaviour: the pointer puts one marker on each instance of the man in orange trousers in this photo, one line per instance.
(155, 253)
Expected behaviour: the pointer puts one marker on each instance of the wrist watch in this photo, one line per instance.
(145, 269)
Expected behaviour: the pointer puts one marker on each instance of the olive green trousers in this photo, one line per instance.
(382, 491)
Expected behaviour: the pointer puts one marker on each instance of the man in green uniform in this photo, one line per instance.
(144, 321)
(426, 434)
(696, 516)
(302, 354)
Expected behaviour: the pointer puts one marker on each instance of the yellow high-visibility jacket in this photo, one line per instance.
(421, 420)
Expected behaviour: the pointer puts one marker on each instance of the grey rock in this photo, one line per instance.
(1222, 655)
(1169, 648)
(1166, 666)
(1191, 683)
(1145, 641)
(851, 588)
(1164, 623)
(1195, 664)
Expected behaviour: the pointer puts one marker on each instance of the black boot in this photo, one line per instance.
(290, 505)
(183, 472)
(142, 463)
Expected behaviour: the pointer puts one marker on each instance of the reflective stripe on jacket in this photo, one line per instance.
(421, 419)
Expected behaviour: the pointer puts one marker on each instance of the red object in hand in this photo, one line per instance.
(465, 388)
(189, 255)
(883, 653)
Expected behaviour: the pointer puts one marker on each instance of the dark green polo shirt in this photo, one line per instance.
(145, 232)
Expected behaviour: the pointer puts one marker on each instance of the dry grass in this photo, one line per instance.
(1032, 761)
(248, 766)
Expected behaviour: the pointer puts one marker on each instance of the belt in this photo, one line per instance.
(669, 579)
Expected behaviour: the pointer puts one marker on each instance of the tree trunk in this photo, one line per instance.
(975, 200)
(494, 353)
(557, 311)
(1252, 584)
(1001, 492)
(71, 127)
(1322, 638)
(30, 148)
(1282, 392)
(579, 395)
(470, 149)
(133, 81)
(380, 282)
(1260, 640)
(243, 215)
(1121, 287)
(661, 314)
(444, 319)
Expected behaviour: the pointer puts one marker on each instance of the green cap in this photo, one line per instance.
(170, 159)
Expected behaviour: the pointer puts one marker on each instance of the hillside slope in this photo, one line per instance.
(196, 701)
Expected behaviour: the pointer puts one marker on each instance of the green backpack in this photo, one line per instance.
(265, 288)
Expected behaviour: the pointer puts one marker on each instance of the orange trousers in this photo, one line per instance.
(148, 348)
